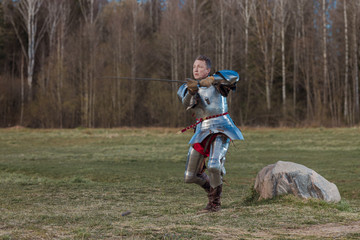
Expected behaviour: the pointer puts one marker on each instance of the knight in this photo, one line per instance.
(214, 128)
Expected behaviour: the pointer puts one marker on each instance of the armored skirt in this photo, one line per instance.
(222, 124)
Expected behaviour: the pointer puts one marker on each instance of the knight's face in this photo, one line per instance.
(200, 69)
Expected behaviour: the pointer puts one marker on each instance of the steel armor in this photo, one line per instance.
(210, 108)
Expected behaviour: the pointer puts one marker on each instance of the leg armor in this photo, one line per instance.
(218, 150)
(194, 169)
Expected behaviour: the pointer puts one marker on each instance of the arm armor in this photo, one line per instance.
(227, 77)
(225, 80)
(187, 99)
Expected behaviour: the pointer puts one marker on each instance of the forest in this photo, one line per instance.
(76, 63)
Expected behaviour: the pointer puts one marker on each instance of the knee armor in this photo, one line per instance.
(194, 168)
(216, 162)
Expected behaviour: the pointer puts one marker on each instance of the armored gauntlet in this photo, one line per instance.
(207, 82)
(192, 86)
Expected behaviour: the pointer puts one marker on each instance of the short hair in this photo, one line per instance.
(206, 59)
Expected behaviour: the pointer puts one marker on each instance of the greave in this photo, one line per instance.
(194, 168)
(216, 162)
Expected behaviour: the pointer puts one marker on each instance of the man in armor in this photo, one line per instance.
(214, 129)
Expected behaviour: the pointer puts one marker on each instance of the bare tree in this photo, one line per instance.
(22, 90)
(306, 57)
(296, 13)
(134, 13)
(283, 24)
(115, 49)
(180, 50)
(355, 56)
(266, 38)
(90, 13)
(324, 53)
(195, 8)
(29, 15)
(346, 80)
(220, 36)
(58, 15)
(247, 9)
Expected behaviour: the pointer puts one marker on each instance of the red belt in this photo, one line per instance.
(202, 119)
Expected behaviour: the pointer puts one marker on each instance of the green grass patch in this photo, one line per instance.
(77, 184)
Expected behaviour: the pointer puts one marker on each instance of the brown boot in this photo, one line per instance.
(216, 198)
(207, 188)
(207, 209)
(214, 204)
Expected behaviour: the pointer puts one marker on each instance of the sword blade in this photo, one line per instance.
(142, 79)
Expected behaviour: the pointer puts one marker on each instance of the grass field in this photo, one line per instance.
(128, 184)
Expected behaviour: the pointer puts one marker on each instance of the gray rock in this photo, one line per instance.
(292, 178)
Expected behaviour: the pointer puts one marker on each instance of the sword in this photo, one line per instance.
(142, 79)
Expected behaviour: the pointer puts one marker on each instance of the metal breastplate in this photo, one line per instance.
(210, 102)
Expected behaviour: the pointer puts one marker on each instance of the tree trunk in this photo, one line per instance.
(295, 55)
(262, 33)
(346, 80)
(222, 36)
(29, 10)
(325, 70)
(282, 16)
(22, 90)
(305, 61)
(355, 63)
(194, 23)
(247, 25)
(273, 52)
(133, 63)
(247, 9)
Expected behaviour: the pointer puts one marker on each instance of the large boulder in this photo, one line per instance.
(292, 178)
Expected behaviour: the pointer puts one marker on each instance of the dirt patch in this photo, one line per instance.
(327, 230)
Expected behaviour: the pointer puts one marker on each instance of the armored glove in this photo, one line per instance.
(207, 82)
(224, 88)
(192, 86)
(222, 85)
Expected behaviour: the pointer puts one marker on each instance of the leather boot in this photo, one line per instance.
(207, 189)
(206, 186)
(216, 198)
(214, 204)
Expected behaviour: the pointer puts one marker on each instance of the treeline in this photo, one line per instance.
(298, 60)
